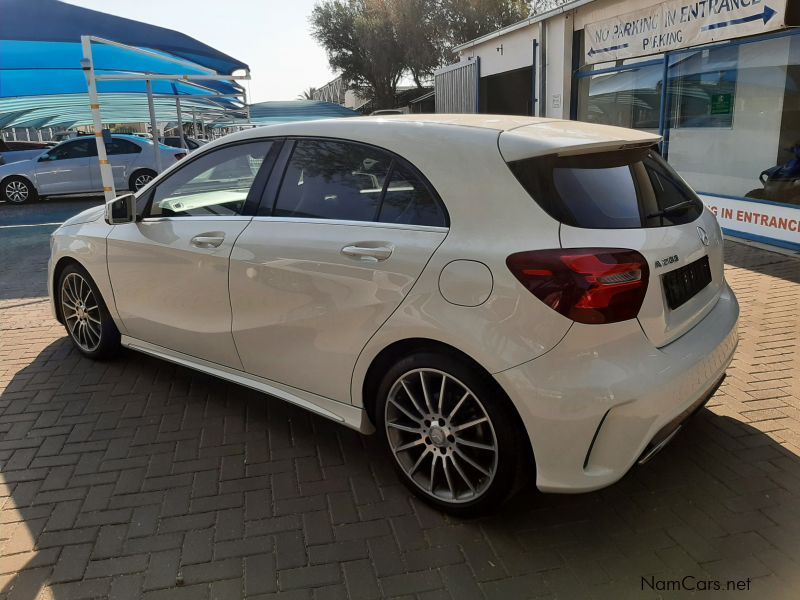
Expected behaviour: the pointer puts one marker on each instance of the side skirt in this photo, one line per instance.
(346, 414)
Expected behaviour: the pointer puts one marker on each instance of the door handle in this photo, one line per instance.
(207, 240)
(368, 254)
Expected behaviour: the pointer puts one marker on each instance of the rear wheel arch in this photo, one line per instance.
(404, 348)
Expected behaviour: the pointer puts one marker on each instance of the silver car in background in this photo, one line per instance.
(72, 168)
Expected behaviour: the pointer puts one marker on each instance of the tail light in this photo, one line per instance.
(587, 285)
(180, 156)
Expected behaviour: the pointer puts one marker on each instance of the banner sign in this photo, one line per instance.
(679, 24)
(771, 223)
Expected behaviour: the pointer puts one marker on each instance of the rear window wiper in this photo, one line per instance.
(680, 206)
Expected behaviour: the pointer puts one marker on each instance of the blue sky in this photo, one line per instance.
(272, 36)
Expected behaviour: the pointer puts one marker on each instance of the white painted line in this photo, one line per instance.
(30, 225)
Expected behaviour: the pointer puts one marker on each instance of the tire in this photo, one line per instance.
(140, 178)
(18, 190)
(85, 315)
(418, 433)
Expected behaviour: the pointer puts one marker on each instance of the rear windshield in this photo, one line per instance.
(623, 189)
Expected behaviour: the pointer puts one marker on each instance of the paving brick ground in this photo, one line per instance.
(137, 478)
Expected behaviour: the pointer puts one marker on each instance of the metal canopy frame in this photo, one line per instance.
(92, 78)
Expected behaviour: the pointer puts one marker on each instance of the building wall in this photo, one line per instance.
(517, 51)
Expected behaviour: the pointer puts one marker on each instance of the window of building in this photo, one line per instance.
(734, 119)
(629, 97)
(731, 119)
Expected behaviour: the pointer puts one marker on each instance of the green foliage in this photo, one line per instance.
(374, 43)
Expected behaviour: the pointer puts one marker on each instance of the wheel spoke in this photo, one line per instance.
(472, 444)
(462, 474)
(94, 329)
(425, 392)
(410, 445)
(458, 405)
(433, 472)
(463, 426)
(419, 462)
(404, 427)
(441, 392)
(405, 412)
(445, 461)
(412, 398)
(471, 462)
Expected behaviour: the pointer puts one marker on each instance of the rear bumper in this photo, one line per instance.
(594, 404)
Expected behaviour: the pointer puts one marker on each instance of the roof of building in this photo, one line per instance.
(535, 18)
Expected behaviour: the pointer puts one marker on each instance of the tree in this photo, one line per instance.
(361, 42)
(541, 6)
(307, 94)
(466, 20)
(373, 43)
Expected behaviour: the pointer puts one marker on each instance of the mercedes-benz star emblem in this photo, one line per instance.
(703, 235)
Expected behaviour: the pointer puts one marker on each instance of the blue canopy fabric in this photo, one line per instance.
(276, 112)
(302, 110)
(42, 83)
(54, 21)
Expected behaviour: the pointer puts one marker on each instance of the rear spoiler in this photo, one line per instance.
(569, 138)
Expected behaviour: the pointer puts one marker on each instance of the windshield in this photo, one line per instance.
(609, 190)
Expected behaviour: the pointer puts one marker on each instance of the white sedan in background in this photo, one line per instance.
(499, 297)
(72, 168)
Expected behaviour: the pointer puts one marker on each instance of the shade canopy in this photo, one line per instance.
(54, 21)
(42, 83)
(268, 113)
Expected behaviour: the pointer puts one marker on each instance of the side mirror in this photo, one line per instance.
(121, 210)
(44, 157)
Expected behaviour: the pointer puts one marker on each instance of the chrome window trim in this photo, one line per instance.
(349, 223)
(198, 218)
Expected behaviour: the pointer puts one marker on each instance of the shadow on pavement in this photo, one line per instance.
(764, 262)
(115, 477)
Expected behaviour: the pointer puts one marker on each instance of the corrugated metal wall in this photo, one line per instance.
(457, 87)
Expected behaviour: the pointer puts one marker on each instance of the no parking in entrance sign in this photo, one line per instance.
(679, 24)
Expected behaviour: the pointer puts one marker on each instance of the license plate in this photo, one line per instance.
(682, 284)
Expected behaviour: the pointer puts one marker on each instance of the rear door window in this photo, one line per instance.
(333, 180)
(338, 180)
(609, 190)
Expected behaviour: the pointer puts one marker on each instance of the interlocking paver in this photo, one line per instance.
(137, 478)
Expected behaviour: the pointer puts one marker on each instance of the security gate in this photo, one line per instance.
(457, 87)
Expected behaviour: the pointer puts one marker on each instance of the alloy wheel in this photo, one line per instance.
(141, 181)
(441, 435)
(81, 312)
(17, 191)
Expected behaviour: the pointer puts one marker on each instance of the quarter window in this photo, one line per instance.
(407, 200)
(216, 184)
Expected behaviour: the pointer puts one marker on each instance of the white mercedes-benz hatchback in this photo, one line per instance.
(496, 296)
